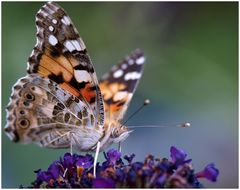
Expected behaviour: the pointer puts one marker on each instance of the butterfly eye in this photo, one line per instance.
(24, 123)
(29, 96)
(115, 133)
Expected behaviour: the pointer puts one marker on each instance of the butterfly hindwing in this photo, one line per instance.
(118, 85)
(40, 111)
(61, 55)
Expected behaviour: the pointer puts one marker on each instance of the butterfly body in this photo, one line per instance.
(60, 102)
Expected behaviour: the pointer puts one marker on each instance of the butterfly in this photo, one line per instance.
(60, 103)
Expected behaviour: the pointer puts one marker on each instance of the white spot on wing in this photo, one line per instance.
(72, 45)
(118, 73)
(51, 28)
(33, 53)
(82, 75)
(49, 10)
(45, 14)
(76, 44)
(120, 95)
(132, 76)
(130, 62)
(65, 20)
(54, 21)
(124, 66)
(38, 41)
(140, 60)
(69, 45)
(52, 40)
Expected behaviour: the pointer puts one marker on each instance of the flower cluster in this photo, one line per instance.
(76, 171)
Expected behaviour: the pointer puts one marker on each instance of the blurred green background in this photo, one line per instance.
(191, 74)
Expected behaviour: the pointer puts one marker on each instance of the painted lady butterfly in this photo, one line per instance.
(60, 103)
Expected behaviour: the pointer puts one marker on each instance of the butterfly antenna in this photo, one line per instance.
(183, 125)
(145, 103)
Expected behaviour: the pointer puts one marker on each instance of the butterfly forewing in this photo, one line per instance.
(118, 85)
(61, 56)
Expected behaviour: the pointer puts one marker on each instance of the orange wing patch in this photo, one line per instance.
(61, 70)
(55, 65)
(109, 90)
(69, 88)
(114, 96)
(89, 93)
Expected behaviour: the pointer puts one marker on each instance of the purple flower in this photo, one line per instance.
(210, 172)
(129, 158)
(85, 161)
(55, 169)
(113, 156)
(44, 176)
(68, 160)
(131, 178)
(137, 166)
(76, 171)
(165, 166)
(103, 183)
(161, 180)
(120, 175)
(178, 156)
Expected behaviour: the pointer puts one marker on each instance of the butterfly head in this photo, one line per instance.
(115, 133)
(119, 133)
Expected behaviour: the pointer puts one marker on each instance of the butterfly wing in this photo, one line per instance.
(118, 85)
(60, 95)
(40, 111)
(61, 55)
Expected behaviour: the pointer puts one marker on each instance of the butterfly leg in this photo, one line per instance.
(119, 147)
(65, 172)
(71, 149)
(60, 136)
(95, 159)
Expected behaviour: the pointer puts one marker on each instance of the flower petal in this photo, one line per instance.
(113, 156)
(103, 183)
(68, 160)
(178, 156)
(129, 158)
(44, 176)
(85, 161)
(210, 172)
(55, 169)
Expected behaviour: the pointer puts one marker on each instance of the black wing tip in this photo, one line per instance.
(48, 8)
(51, 3)
(137, 53)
